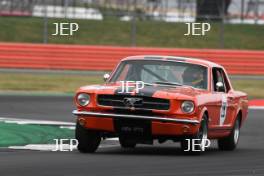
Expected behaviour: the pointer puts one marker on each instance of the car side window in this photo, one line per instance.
(219, 82)
(225, 81)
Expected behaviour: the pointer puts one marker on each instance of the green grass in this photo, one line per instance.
(12, 134)
(254, 88)
(60, 83)
(49, 83)
(114, 32)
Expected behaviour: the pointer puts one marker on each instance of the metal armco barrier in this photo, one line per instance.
(104, 58)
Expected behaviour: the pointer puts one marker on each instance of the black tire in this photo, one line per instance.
(126, 143)
(230, 142)
(88, 140)
(201, 134)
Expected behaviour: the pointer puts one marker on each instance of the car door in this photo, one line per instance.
(231, 101)
(221, 99)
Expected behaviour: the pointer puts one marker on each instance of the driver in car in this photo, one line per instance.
(194, 77)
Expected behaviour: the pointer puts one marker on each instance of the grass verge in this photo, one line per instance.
(12, 134)
(254, 88)
(47, 83)
(112, 31)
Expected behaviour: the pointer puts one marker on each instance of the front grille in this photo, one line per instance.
(137, 102)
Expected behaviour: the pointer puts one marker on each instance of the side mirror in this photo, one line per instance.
(106, 76)
(220, 87)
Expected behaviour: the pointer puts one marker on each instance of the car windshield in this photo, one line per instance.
(162, 73)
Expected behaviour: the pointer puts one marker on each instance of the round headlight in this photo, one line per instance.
(187, 106)
(83, 99)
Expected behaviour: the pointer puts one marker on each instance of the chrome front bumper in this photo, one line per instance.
(154, 118)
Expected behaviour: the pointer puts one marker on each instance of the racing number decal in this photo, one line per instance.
(223, 110)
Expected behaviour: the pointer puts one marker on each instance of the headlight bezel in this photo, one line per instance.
(86, 98)
(187, 103)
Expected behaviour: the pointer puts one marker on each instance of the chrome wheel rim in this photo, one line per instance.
(236, 133)
(203, 135)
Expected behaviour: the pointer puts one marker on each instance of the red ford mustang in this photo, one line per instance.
(162, 98)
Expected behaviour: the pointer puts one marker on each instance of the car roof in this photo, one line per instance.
(174, 59)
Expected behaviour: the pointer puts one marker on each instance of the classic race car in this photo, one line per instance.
(162, 98)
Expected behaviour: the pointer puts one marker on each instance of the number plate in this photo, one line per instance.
(133, 128)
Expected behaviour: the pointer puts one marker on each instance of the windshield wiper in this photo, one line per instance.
(168, 83)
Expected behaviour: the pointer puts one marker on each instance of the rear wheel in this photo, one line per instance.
(230, 142)
(198, 139)
(126, 143)
(88, 140)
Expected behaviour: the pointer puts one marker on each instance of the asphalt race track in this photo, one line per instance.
(37, 107)
(158, 160)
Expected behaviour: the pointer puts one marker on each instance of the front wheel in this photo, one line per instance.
(230, 142)
(88, 140)
(195, 145)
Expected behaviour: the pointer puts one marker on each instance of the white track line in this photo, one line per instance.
(256, 107)
(38, 147)
(34, 122)
(68, 127)
(112, 139)
(51, 147)
(46, 147)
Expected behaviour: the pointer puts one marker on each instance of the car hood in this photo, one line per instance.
(166, 92)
